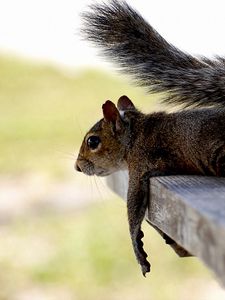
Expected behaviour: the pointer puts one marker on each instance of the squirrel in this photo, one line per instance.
(187, 142)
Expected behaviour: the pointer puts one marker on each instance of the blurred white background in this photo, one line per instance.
(48, 30)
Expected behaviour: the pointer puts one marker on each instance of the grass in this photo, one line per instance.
(46, 111)
(89, 254)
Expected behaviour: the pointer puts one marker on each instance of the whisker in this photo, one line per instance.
(92, 189)
(103, 184)
(66, 153)
(63, 155)
(100, 194)
(79, 126)
(68, 158)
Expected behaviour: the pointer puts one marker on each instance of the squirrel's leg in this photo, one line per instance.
(137, 203)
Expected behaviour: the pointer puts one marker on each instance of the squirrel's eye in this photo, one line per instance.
(93, 142)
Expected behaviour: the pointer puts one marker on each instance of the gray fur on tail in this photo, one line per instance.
(127, 39)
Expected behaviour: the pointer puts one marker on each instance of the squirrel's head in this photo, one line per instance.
(104, 147)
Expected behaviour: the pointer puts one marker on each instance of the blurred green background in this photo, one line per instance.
(64, 235)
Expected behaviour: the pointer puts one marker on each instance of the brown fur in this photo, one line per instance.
(187, 142)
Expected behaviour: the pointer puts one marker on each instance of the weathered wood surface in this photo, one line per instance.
(191, 211)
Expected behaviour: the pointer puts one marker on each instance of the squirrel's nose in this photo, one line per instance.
(77, 168)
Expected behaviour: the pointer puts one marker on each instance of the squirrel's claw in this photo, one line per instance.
(141, 254)
(145, 268)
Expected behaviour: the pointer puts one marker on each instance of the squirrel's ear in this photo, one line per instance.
(111, 114)
(124, 103)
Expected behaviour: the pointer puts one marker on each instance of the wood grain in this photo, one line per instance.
(191, 210)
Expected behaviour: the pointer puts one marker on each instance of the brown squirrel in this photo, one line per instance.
(190, 141)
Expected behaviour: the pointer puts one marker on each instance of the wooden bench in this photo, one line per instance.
(189, 212)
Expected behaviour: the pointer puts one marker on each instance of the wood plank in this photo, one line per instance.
(118, 182)
(191, 210)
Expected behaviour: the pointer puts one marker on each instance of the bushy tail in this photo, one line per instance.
(127, 39)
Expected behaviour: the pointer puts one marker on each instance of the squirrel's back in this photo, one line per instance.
(127, 39)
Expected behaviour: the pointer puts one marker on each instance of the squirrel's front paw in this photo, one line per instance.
(141, 254)
(146, 267)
